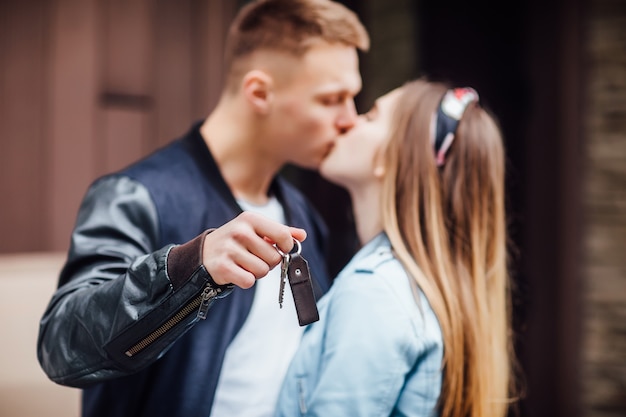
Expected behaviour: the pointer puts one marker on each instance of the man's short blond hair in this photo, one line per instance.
(292, 27)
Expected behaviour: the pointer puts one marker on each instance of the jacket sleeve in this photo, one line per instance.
(121, 302)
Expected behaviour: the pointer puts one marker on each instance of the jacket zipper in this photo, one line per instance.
(200, 304)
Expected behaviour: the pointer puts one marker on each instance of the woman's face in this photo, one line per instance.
(355, 159)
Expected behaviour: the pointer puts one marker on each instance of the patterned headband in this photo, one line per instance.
(446, 119)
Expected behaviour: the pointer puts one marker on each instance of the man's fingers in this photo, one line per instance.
(242, 250)
(230, 273)
(275, 232)
(298, 234)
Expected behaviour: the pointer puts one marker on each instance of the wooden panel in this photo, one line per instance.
(123, 130)
(88, 86)
(71, 108)
(189, 49)
(603, 373)
(128, 37)
(210, 23)
(128, 78)
(21, 125)
(173, 86)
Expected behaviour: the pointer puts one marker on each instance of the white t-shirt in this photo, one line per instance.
(257, 359)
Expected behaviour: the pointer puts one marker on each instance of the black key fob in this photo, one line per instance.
(302, 290)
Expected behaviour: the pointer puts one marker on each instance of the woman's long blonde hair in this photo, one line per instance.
(447, 226)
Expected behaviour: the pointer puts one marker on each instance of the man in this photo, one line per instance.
(130, 321)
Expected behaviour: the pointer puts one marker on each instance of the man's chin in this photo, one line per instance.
(305, 166)
(328, 151)
(315, 162)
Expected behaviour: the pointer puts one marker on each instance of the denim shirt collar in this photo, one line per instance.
(378, 243)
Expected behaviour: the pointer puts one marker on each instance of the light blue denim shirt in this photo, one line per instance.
(374, 352)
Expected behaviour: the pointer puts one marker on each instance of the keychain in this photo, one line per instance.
(295, 269)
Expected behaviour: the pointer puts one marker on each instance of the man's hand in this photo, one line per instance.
(242, 250)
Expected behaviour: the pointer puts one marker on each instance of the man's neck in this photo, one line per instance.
(237, 152)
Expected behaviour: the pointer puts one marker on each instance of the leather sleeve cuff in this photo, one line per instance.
(183, 260)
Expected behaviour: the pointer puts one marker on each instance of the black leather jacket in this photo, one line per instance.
(124, 322)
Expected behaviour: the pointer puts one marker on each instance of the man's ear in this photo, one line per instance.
(258, 87)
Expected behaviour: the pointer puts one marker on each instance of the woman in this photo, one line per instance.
(417, 323)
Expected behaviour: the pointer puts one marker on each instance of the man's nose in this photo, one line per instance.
(348, 117)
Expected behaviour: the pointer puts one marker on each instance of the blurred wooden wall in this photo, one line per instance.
(88, 86)
(603, 370)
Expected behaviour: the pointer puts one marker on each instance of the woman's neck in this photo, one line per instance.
(367, 212)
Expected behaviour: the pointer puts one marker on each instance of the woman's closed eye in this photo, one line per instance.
(371, 114)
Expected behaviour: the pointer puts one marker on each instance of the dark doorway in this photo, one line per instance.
(524, 59)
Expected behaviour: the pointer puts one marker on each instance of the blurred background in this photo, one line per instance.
(88, 86)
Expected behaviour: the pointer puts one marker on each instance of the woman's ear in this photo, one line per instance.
(257, 88)
(379, 168)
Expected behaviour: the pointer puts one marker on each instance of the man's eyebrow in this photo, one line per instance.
(335, 91)
(341, 89)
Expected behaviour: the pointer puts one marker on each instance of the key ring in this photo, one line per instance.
(283, 254)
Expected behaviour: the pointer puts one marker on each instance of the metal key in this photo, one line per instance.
(284, 267)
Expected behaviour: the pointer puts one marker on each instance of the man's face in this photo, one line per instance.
(315, 104)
